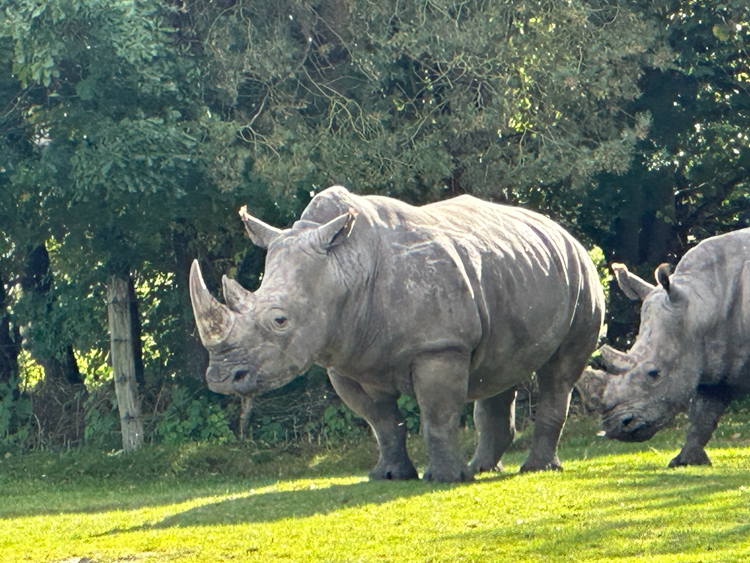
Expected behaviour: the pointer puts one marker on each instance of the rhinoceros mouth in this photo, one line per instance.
(222, 387)
(637, 435)
(629, 428)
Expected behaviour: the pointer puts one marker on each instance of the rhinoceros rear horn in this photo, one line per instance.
(259, 232)
(591, 388)
(213, 319)
(237, 298)
(616, 362)
(334, 232)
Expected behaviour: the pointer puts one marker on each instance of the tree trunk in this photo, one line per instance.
(123, 363)
(10, 340)
(136, 332)
(59, 365)
(193, 357)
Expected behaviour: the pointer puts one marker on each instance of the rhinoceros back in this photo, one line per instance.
(713, 279)
(535, 281)
(519, 283)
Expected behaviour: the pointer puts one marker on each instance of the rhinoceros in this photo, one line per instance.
(451, 302)
(692, 350)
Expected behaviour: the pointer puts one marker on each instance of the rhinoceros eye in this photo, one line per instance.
(653, 373)
(277, 319)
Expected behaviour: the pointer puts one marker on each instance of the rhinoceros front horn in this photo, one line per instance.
(213, 319)
(617, 362)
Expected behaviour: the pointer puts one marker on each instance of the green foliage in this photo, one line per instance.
(600, 261)
(102, 420)
(341, 424)
(191, 418)
(410, 412)
(410, 100)
(132, 131)
(15, 411)
(271, 431)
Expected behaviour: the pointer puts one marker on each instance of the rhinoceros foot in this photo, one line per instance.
(693, 456)
(448, 474)
(537, 465)
(401, 471)
(485, 466)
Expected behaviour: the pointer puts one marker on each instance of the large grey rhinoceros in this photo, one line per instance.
(451, 302)
(692, 349)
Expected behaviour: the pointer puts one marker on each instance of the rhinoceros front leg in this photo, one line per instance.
(440, 382)
(706, 409)
(495, 419)
(384, 418)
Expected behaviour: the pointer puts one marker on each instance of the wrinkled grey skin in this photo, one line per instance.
(451, 302)
(692, 350)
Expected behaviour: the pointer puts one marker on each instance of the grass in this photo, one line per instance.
(208, 503)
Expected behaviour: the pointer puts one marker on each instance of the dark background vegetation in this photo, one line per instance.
(131, 132)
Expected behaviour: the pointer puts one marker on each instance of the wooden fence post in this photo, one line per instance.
(123, 363)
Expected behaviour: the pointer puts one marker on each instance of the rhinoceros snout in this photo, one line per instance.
(216, 375)
(227, 382)
(626, 427)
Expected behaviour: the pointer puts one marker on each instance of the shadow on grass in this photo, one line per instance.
(301, 503)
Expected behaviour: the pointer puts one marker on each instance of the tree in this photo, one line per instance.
(109, 130)
(690, 178)
(133, 131)
(422, 100)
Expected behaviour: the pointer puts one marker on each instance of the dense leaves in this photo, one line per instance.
(133, 130)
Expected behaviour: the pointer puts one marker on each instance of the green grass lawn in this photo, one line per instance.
(211, 503)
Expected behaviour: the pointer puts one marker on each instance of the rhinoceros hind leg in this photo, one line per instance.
(495, 419)
(440, 383)
(384, 418)
(706, 409)
(556, 379)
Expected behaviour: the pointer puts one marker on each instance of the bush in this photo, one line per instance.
(15, 416)
(192, 418)
(102, 419)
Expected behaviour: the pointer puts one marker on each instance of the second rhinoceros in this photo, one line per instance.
(451, 302)
(692, 350)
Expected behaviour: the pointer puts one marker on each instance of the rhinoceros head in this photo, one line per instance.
(260, 341)
(646, 387)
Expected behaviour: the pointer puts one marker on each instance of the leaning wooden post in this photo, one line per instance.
(123, 363)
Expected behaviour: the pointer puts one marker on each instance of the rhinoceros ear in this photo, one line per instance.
(674, 292)
(214, 320)
(662, 275)
(631, 285)
(259, 232)
(616, 362)
(333, 233)
(237, 298)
